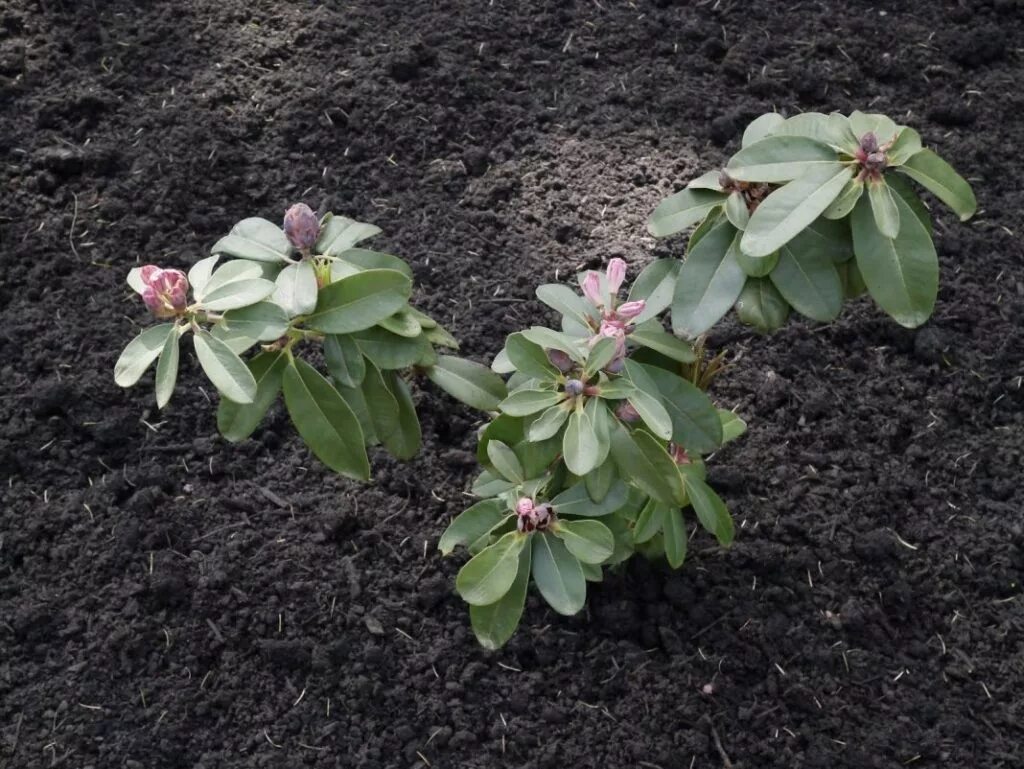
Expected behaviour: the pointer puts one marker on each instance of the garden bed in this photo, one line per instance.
(169, 600)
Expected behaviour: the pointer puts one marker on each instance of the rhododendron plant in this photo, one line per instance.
(281, 291)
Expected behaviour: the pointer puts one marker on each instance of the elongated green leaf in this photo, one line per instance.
(563, 299)
(882, 127)
(239, 293)
(828, 238)
(710, 222)
(601, 419)
(652, 412)
(525, 402)
(472, 523)
(238, 343)
(654, 337)
(167, 370)
(736, 210)
(356, 259)
(650, 468)
(296, 289)
(853, 281)
(695, 422)
(580, 444)
(140, 354)
(200, 273)
(593, 572)
(710, 180)
(325, 421)
(887, 216)
(808, 280)
(405, 441)
(576, 500)
(360, 301)
(787, 211)
(224, 368)
(495, 623)
(761, 127)
(938, 177)
(756, 266)
(490, 573)
(709, 283)
(900, 185)
(761, 305)
(558, 575)
(843, 205)
(732, 425)
(832, 129)
(467, 381)
(907, 145)
(901, 274)
(549, 423)
(600, 481)
(780, 159)
(601, 355)
(402, 323)
(255, 239)
(676, 538)
(505, 461)
(656, 285)
(711, 510)
(228, 273)
(649, 522)
(381, 406)
(237, 421)
(391, 351)
(343, 359)
(681, 210)
(263, 321)
(338, 234)
(590, 541)
(529, 358)
(555, 340)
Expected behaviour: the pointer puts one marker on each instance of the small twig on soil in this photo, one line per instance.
(71, 233)
(718, 746)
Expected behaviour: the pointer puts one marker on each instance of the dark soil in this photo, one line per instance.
(168, 600)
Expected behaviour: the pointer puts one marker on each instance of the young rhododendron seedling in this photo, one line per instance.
(812, 210)
(282, 292)
(596, 453)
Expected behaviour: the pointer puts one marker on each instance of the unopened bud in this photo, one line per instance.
(165, 292)
(524, 506)
(630, 310)
(876, 161)
(592, 289)
(301, 226)
(574, 387)
(560, 360)
(626, 413)
(678, 453)
(616, 273)
(869, 143)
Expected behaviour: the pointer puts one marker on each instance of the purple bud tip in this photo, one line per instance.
(560, 360)
(524, 506)
(165, 292)
(301, 226)
(626, 413)
(869, 143)
(630, 310)
(574, 387)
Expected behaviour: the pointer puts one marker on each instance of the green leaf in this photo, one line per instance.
(140, 354)
(343, 359)
(255, 239)
(652, 412)
(881, 126)
(650, 521)
(832, 129)
(732, 425)
(710, 222)
(488, 484)
(555, 340)
(355, 259)
(576, 500)
(601, 355)
(907, 145)
(695, 422)
(580, 444)
(549, 423)
(403, 324)
(599, 482)
(471, 524)
(224, 368)
(787, 211)
(736, 210)
(237, 421)
(808, 280)
(592, 572)
(338, 234)
(200, 273)
(711, 510)
(602, 420)
(654, 337)
(900, 185)
(674, 529)
(381, 406)
(761, 305)
(239, 293)
(325, 421)
(647, 465)
(901, 274)
(495, 623)
(710, 180)
(470, 382)
(359, 301)
(505, 461)
(406, 440)
(853, 281)
(238, 343)
(263, 321)
(938, 177)
(391, 351)
(563, 299)
(843, 205)
(709, 283)
(231, 272)
(761, 127)
(490, 573)
(522, 403)
(558, 575)
(681, 210)
(167, 370)
(756, 266)
(780, 159)
(656, 285)
(590, 541)
(529, 358)
(887, 216)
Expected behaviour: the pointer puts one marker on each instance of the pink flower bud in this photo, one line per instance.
(616, 274)
(524, 506)
(560, 360)
(626, 413)
(592, 289)
(630, 310)
(543, 515)
(869, 143)
(301, 226)
(165, 292)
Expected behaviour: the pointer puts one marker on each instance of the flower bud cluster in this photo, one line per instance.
(302, 227)
(616, 319)
(533, 517)
(165, 292)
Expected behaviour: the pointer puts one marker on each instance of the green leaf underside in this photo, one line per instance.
(529, 358)
(656, 284)
(558, 575)
(325, 421)
(580, 444)
(938, 177)
(682, 210)
(525, 402)
(549, 423)
(695, 424)
(338, 234)
(237, 421)
(901, 185)
(473, 523)
(489, 574)
(470, 382)
(563, 299)
(505, 461)
(360, 301)
(761, 305)
(654, 337)
(391, 351)
(809, 282)
(263, 321)
(224, 368)
(709, 283)
(760, 127)
(167, 370)
(780, 159)
(887, 216)
(589, 541)
(140, 354)
(296, 290)
(256, 239)
(495, 623)
(239, 293)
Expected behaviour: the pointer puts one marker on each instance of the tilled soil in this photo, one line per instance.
(169, 600)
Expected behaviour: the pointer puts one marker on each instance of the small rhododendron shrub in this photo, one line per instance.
(812, 210)
(596, 453)
(280, 293)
